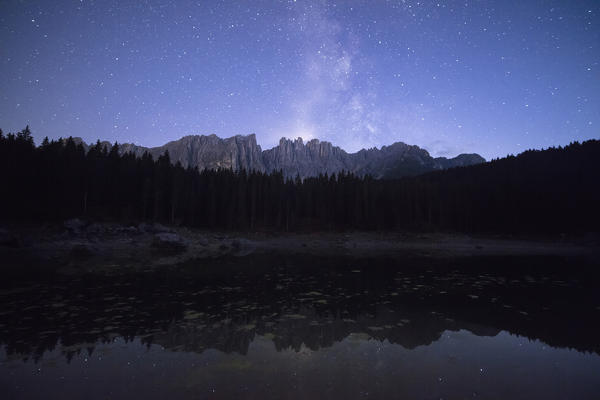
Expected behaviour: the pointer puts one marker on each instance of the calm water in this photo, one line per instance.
(271, 327)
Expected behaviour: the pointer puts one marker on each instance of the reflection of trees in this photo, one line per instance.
(222, 309)
(313, 332)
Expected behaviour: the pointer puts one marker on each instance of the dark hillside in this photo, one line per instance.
(548, 191)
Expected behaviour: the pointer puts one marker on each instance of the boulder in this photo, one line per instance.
(159, 228)
(202, 242)
(168, 241)
(130, 230)
(9, 239)
(95, 229)
(74, 225)
(242, 247)
(153, 228)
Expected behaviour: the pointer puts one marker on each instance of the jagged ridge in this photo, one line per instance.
(296, 158)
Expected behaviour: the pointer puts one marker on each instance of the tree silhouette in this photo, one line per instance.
(549, 191)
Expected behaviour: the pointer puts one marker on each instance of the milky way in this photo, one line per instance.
(492, 77)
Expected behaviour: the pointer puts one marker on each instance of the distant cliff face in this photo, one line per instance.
(209, 152)
(294, 157)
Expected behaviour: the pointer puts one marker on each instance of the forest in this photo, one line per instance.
(538, 191)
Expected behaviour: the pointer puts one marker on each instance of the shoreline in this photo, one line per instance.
(78, 246)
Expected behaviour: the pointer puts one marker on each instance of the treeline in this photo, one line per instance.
(554, 190)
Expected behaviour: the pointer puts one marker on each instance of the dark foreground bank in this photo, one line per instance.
(77, 246)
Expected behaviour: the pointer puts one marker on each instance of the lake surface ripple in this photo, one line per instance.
(303, 327)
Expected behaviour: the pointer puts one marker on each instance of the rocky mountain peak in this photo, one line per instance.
(295, 158)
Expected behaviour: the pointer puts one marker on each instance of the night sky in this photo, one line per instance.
(492, 77)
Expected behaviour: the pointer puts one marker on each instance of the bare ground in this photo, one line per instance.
(79, 246)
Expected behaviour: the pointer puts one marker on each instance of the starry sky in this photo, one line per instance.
(491, 77)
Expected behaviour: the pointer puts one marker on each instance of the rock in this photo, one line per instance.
(158, 228)
(208, 152)
(74, 225)
(461, 160)
(145, 228)
(294, 157)
(242, 247)
(95, 229)
(153, 228)
(131, 230)
(202, 242)
(168, 241)
(9, 239)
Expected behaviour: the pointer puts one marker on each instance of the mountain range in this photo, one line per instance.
(296, 158)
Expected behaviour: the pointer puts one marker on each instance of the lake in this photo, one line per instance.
(300, 327)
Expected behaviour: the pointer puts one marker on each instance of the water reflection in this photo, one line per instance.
(380, 318)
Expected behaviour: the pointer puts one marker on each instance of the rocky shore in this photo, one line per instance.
(78, 245)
